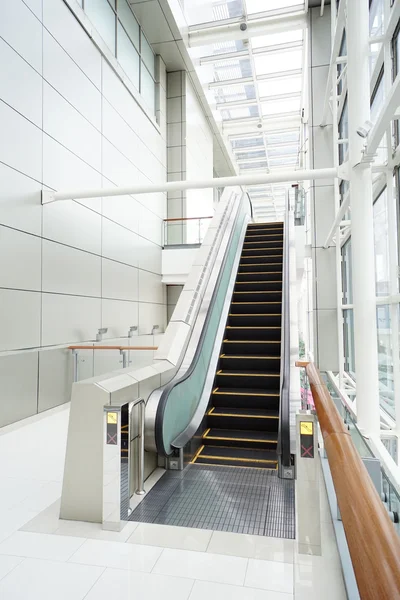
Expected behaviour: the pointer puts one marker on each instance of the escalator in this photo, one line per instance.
(242, 421)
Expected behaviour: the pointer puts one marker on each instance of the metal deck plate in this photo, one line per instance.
(238, 500)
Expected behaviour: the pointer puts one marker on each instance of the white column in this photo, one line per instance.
(362, 232)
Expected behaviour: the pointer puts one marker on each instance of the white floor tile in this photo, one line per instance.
(12, 519)
(46, 521)
(127, 585)
(252, 546)
(117, 555)
(268, 575)
(8, 563)
(166, 536)
(94, 531)
(217, 591)
(43, 497)
(313, 583)
(47, 580)
(198, 565)
(40, 545)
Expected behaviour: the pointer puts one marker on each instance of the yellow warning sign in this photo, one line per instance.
(306, 427)
(112, 418)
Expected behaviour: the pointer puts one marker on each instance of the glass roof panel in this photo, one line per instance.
(280, 106)
(256, 6)
(282, 151)
(242, 112)
(233, 93)
(277, 61)
(279, 85)
(282, 137)
(254, 165)
(252, 142)
(234, 68)
(274, 39)
(230, 46)
(250, 155)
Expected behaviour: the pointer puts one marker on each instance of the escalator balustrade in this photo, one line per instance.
(243, 416)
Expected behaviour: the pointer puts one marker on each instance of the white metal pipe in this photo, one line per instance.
(322, 8)
(339, 216)
(362, 237)
(340, 23)
(174, 186)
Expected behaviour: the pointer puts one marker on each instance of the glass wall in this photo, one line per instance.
(117, 25)
(381, 241)
(385, 359)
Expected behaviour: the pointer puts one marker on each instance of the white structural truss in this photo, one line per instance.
(250, 56)
(363, 93)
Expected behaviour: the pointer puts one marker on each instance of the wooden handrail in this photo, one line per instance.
(112, 347)
(186, 219)
(373, 542)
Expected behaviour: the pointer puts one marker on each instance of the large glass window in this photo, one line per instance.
(381, 240)
(385, 359)
(344, 132)
(341, 66)
(378, 97)
(348, 331)
(120, 30)
(347, 276)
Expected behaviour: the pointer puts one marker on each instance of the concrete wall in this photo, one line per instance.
(67, 120)
(324, 301)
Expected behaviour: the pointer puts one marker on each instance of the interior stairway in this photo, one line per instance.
(243, 417)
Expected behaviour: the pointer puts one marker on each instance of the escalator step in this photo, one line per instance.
(255, 319)
(256, 333)
(253, 379)
(245, 398)
(255, 307)
(237, 456)
(240, 435)
(250, 362)
(256, 347)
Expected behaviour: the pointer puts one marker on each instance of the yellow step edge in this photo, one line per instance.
(230, 447)
(265, 291)
(252, 357)
(242, 416)
(225, 439)
(255, 314)
(251, 460)
(197, 454)
(235, 466)
(252, 341)
(248, 327)
(243, 394)
(221, 373)
(253, 303)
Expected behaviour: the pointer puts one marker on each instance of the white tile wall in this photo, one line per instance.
(20, 84)
(20, 143)
(69, 319)
(67, 78)
(20, 260)
(18, 394)
(19, 319)
(22, 31)
(67, 125)
(61, 23)
(70, 271)
(89, 263)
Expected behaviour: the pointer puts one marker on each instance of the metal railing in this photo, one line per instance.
(123, 350)
(372, 540)
(185, 231)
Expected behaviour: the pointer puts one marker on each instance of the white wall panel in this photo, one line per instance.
(20, 84)
(64, 123)
(20, 260)
(119, 97)
(119, 281)
(152, 314)
(62, 24)
(70, 271)
(150, 225)
(18, 376)
(73, 224)
(19, 319)
(63, 74)
(150, 289)
(119, 243)
(123, 210)
(119, 316)
(69, 319)
(117, 168)
(20, 143)
(21, 29)
(149, 255)
(63, 170)
(20, 201)
(55, 378)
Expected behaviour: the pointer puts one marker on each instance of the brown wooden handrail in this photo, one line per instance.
(373, 543)
(186, 219)
(112, 347)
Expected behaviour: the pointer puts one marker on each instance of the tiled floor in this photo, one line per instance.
(44, 558)
(238, 500)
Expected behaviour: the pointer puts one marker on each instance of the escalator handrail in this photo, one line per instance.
(284, 405)
(168, 388)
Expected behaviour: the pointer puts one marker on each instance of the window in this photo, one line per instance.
(341, 66)
(381, 242)
(378, 96)
(348, 331)
(396, 68)
(385, 359)
(347, 277)
(343, 132)
(120, 30)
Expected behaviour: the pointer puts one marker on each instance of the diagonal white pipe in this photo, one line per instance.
(174, 186)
